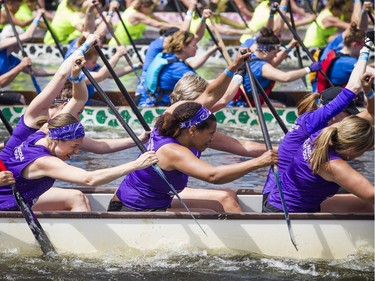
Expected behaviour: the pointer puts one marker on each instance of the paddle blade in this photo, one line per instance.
(32, 221)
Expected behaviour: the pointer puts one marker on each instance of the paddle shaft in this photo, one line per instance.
(228, 59)
(298, 38)
(300, 64)
(122, 89)
(58, 45)
(37, 88)
(31, 220)
(129, 36)
(235, 7)
(267, 141)
(270, 106)
(211, 34)
(178, 8)
(134, 137)
(109, 28)
(6, 123)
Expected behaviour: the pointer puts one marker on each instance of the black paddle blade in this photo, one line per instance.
(35, 227)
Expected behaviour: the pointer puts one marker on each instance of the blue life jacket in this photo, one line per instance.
(154, 70)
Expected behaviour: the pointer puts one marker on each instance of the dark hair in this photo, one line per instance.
(169, 124)
(267, 37)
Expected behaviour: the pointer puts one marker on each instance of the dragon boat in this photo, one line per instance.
(122, 235)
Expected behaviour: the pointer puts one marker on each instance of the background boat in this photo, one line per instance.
(102, 116)
(43, 54)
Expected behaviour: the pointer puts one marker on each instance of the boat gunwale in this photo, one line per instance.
(185, 215)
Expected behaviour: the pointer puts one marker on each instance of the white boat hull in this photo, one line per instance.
(122, 235)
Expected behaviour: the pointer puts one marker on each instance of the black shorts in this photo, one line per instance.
(267, 207)
(117, 206)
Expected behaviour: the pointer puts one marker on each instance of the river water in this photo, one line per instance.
(184, 265)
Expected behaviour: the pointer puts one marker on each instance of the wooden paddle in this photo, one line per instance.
(134, 137)
(129, 36)
(36, 85)
(298, 38)
(269, 146)
(220, 43)
(31, 220)
(109, 28)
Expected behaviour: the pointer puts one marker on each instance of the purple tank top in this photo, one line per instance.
(145, 189)
(20, 133)
(23, 155)
(303, 190)
(305, 125)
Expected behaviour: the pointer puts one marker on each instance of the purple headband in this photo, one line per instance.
(202, 114)
(268, 47)
(69, 132)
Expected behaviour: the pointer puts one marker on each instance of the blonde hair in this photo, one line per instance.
(189, 87)
(178, 41)
(353, 133)
(308, 103)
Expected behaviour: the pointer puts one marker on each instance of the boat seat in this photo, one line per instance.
(249, 203)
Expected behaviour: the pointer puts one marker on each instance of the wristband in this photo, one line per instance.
(238, 79)
(271, 16)
(189, 13)
(370, 95)
(308, 70)
(203, 19)
(283, 8)
(77, 79)
(110, 14)
(287, 49)
(84, 48)
(363, 56)
(36, 21)
(228, 72)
